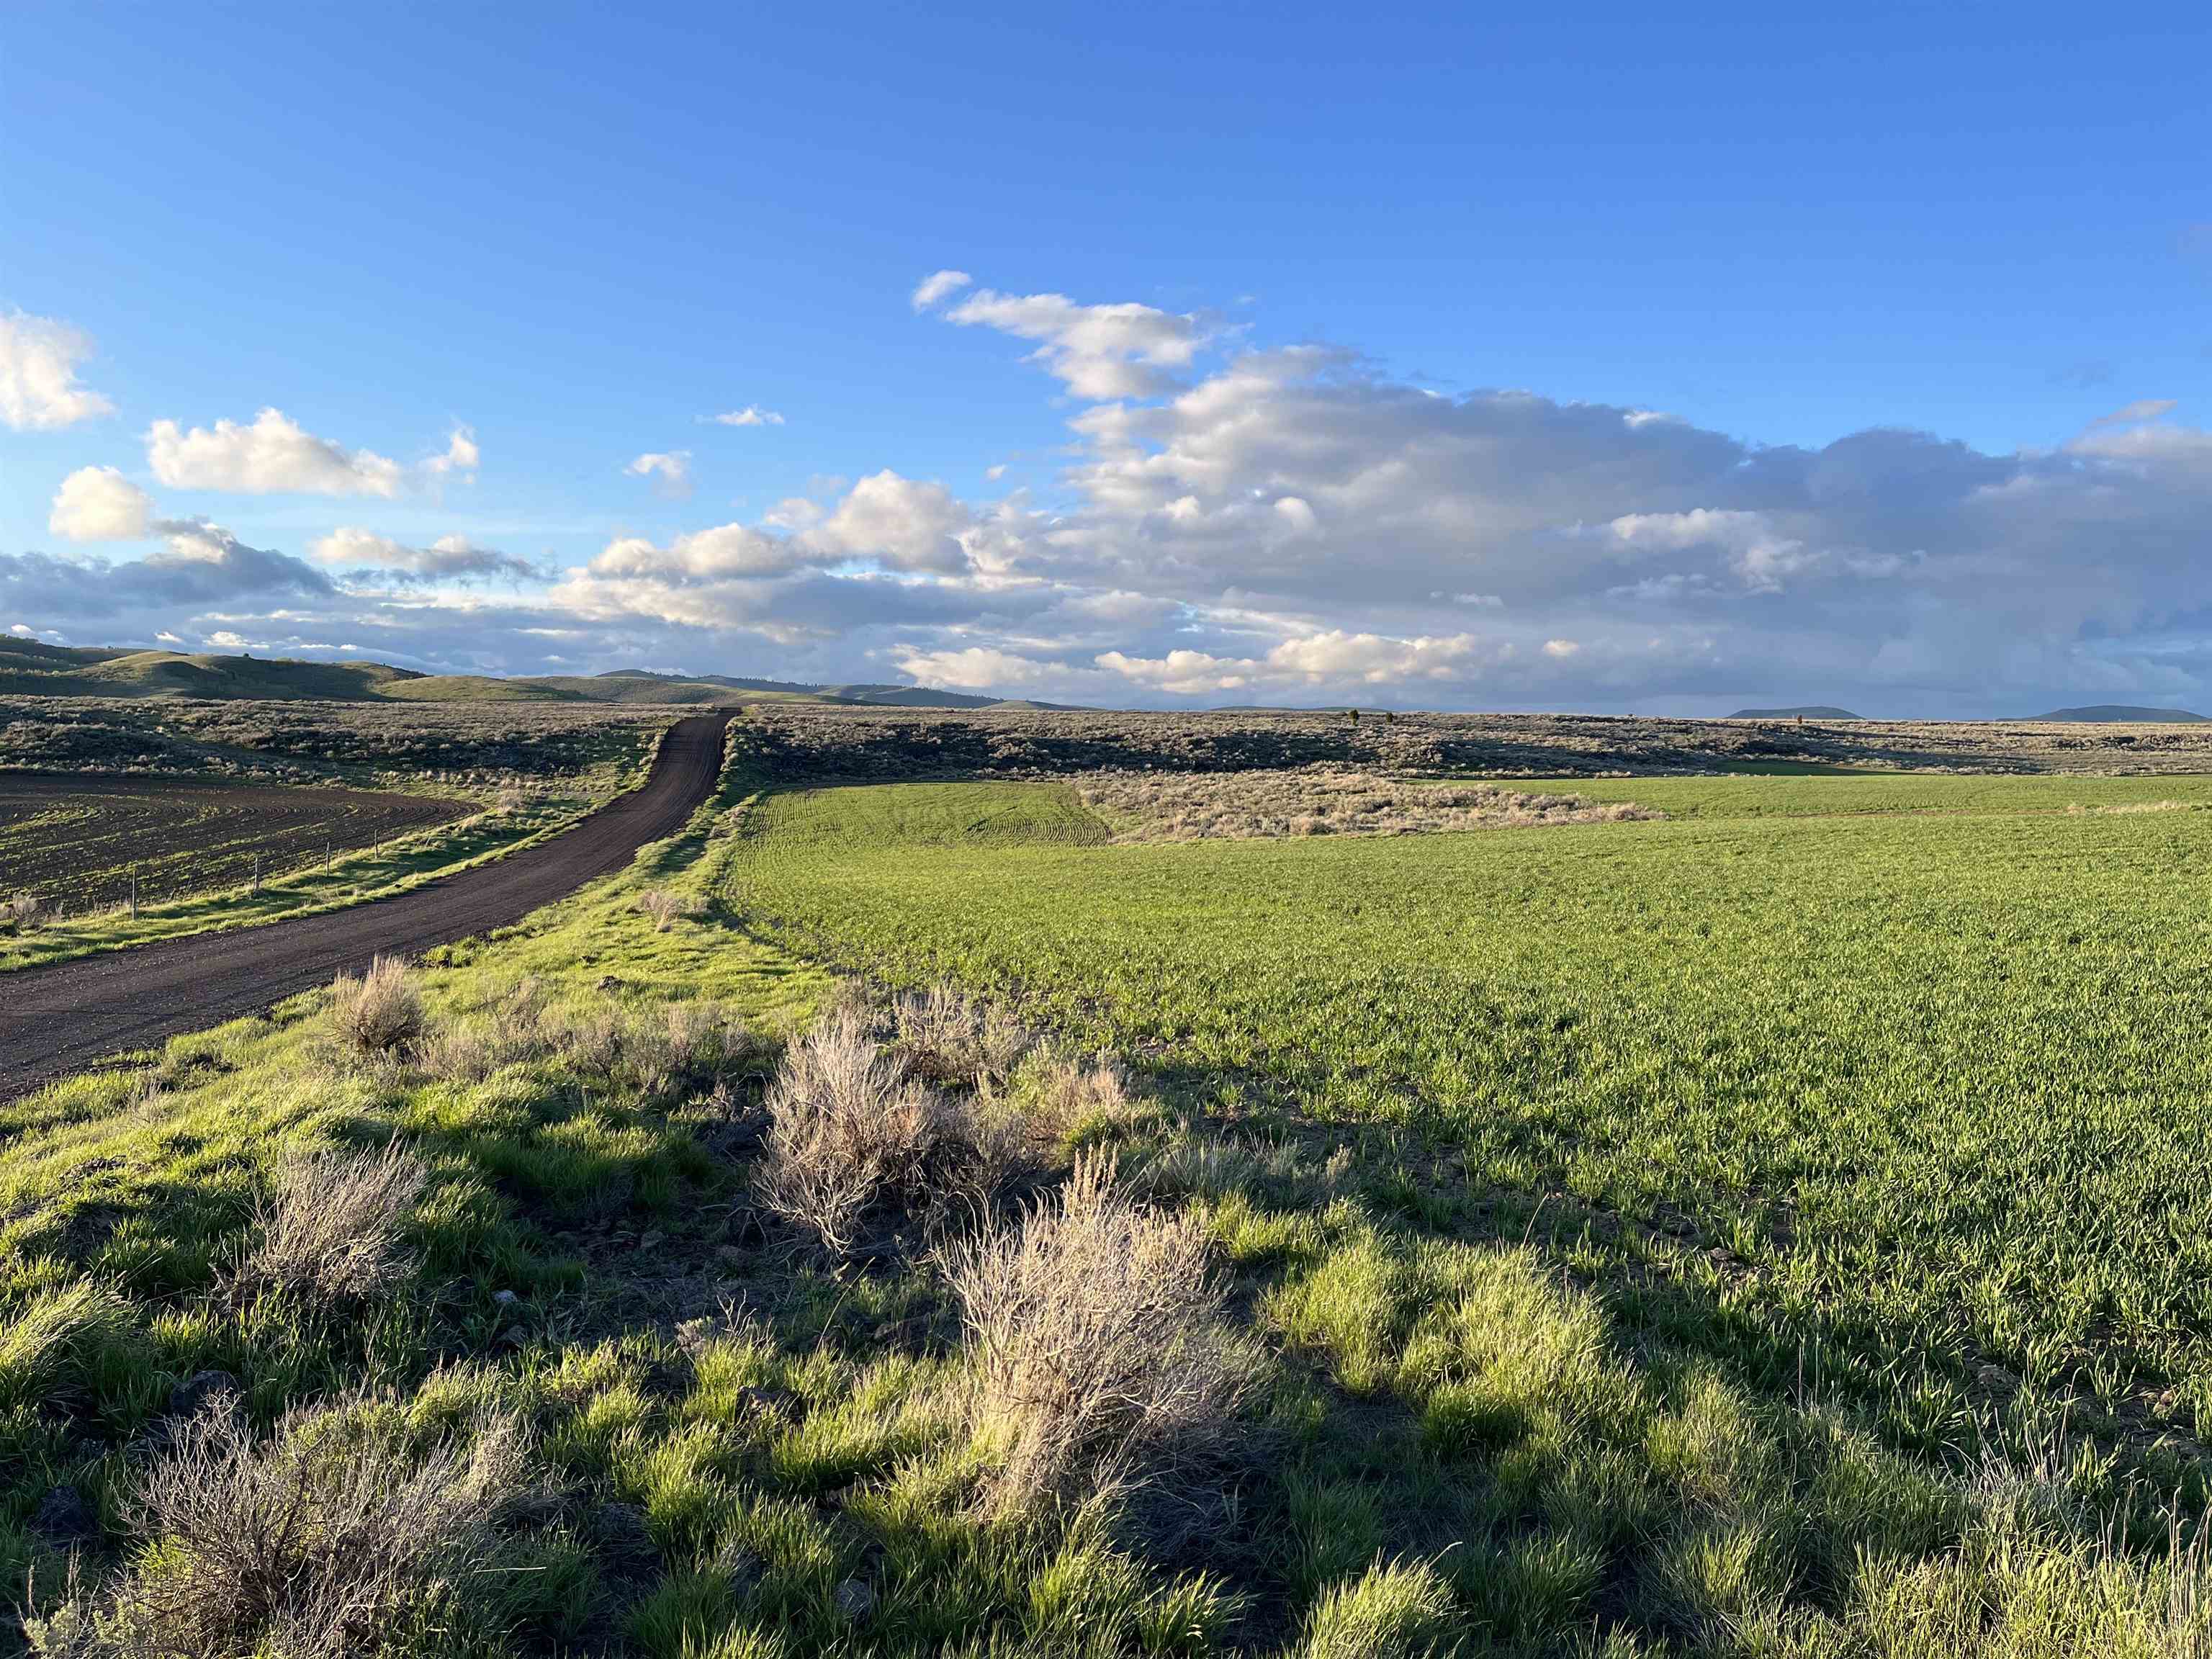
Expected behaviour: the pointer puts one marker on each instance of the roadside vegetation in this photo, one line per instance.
(893, 1220)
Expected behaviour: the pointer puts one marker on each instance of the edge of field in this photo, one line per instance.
(381, 870)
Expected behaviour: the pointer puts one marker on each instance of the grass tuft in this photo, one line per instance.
(1393, 1611)
(333, 1231)
(667, 909)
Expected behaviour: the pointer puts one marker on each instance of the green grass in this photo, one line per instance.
(1922, 1091)
(1813, 793)
(1616, 1205)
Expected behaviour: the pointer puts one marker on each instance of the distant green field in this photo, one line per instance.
(1924, 1058)
(1810, 792)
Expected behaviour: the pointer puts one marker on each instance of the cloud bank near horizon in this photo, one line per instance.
(1234, 522)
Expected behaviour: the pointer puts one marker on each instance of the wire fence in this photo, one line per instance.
(125, 892)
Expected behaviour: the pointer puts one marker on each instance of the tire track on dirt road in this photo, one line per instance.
(63, 1019)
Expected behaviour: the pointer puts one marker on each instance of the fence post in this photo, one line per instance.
(134, 896)
(257, 873)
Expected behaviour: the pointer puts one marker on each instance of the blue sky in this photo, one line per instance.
(1587, 360)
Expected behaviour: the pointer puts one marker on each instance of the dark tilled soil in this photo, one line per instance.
(56, 1020)
(81, 839)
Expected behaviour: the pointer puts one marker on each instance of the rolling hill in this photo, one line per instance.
(33, 668)
(2120, 713)
(1810, 711)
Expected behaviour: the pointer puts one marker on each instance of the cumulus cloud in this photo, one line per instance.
(1291, 523)
(272, 455)
(461, 457)
(938, 286)
(671, 473)
(1331, 659)
(450, 558)
(39, 388)
(199, 564)
(750, 415)
(1101, 351)
(98, 504)
(978, 668)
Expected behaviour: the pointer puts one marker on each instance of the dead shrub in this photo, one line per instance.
(1071, 1098)
(1103, 1358)
(682, 1044)
(467, 1051)
(849, 1131)
(32, 911)
(379, 1014)
(333, 1229)
(665, 908)
(509, 1028)
(324, 1541)
(953, 1041)
(659, 1050)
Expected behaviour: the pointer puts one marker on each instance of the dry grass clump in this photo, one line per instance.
(654, 1051)
(1321, 800)
(32, 911)
(1060, 1098)
(665, 907)
(2129, 808)
(850, 1131)
(324, 1541)
(379, 1014)
(945, 1037)
(658, 1049)
(333, 1229)
(1103, 1358)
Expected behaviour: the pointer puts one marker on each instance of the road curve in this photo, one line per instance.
(61, 1019)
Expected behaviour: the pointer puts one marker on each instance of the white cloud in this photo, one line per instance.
(39, 388)
(903, 523)
(271, 456)
(98, 504)
(1291, 525)
(978, 668)
(1101, 351)
(750, 415)
(1333, 658)
(2141, 432)
(2143, 409)
(448, 558)
(672, 471)
(938, 286)
(1762, 557)
(461, 457)
(1181, 673)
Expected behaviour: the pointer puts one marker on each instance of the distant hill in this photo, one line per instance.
(33, 668)
(2115, 714)
(1810, 711)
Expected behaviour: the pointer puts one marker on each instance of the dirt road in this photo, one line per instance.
(56, 1020)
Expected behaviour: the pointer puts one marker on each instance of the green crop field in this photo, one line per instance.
(1900, 1084)
(1928, 1055)
(1780, 1229)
